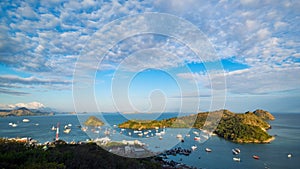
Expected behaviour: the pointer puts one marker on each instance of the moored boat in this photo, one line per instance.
(236, 159)
(194, 147)
(196, 138)
(208, 150)
(26, 120)
(67, 130)
(236, 151)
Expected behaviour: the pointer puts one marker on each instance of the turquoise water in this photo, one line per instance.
(286, 128)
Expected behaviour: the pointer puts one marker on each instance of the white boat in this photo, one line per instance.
(160, 137)
(10, 123)
(235, 151)
(236, 159)
(53, 128)
(129, 133)
(196, 133)
(70, 125)
(26, 120)
(187, 135)
(67, 130)
(135, 131)
(140, 134)
(208, 150)
(14, 125)
(289, 155)
(158, 134)
(179, 136)
(146, 132)
(194, 147)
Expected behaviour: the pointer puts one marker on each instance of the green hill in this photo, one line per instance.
(241, 128)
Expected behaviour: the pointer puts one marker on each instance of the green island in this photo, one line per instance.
(14, 154)
(250, 127)
(93, 121)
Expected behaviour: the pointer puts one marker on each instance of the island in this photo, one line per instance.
(23, 111)
(249, 127)
(93, 121)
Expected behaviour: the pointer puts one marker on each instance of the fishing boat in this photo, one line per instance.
(208, 150)
(236, 159)
(255, 157)
(26, 120)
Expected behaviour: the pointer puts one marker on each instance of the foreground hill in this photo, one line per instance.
(241, 128)
(17, 155)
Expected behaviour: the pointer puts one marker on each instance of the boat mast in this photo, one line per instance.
(57, 132)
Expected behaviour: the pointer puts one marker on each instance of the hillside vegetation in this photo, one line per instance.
(241, 128)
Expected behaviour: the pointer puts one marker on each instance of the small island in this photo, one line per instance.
(93, 121)
(250, 127)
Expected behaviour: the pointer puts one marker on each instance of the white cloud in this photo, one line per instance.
(31, 105)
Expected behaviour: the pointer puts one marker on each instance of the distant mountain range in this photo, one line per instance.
(23, 111)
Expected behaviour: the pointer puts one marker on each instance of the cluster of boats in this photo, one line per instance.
(24, 121)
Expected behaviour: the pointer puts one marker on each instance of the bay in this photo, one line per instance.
(286, 127)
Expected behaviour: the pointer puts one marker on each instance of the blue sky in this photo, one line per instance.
(255, 49)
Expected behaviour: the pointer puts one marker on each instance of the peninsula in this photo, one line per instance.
(250, 127)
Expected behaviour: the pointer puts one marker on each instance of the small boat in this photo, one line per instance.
(160, 137)
(53, 128)
(70, 125)
(196, 133)
(289, 155)
(187, 135)
(129, 133)
(14, 125)
(84, 128)
(236, 159)
(67, 130)
(208, 150)
(196, 138)
(236, 151)
(135, 131)
(194, 147)
(146, 132)
(140, 134)
(255, 157)
(10, 124)
(26, 120)
(36, 124)
(179, 136)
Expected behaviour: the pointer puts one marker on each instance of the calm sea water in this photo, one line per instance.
(286, 127)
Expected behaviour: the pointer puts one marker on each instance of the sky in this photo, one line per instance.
(150, 56)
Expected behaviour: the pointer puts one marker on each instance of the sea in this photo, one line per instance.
(285, 128)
